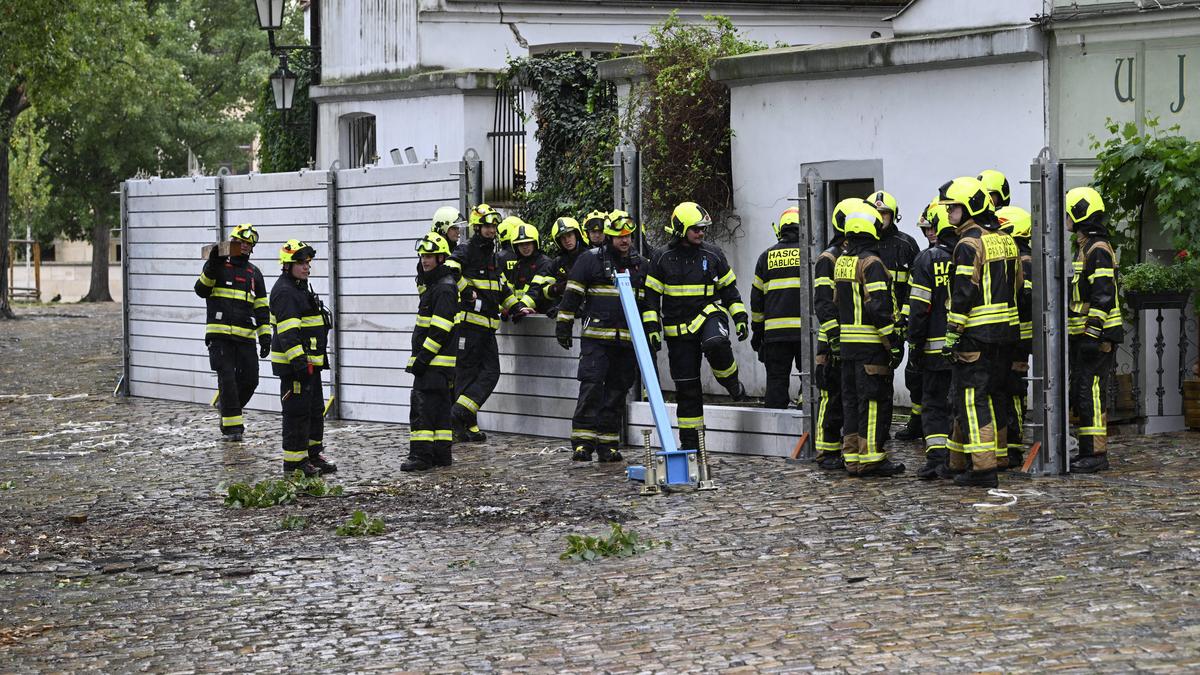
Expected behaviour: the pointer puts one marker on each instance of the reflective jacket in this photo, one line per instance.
(484, 289)
(824, 302)
(434, 336)
(591, 293)
(1025, 296)
(863, 292)
(929, 293)
(235, 299)
(302, 326)
(560, 270)
(1095, 309)
(529, 277)
(984, 286)
(775, 296)
(690, 283)
(898, 251)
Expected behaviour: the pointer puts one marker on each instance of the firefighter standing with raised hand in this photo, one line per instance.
(981, 326)
(434, 350)
(1094, 326)
(926, 311)
(235, 300)
(302, 326)
(869, 343)
(1018, 224)
(775, 308)
(695, 287)
(829, 440)
(484, 294)
(607, 364)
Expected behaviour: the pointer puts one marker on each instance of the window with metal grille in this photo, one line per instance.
(360, 136)
(507, 139)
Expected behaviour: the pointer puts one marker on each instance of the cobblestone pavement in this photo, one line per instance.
(784, 569)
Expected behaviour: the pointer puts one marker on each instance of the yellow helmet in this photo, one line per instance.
(595, 220)
(621, 223)
(484, 215)
(863, 219)
(843, 208)
(789, 218)
(967, 192)
(687, 215)
(564, 225)
(245, 233)
(994, 181)
(296, 251)
(884, 201)
(524, 233)
(1082, 203)
(508, 228)
(445, 218)
(936, 217)
(433, 244)
(1016, 221)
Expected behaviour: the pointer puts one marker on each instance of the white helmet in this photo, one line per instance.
(445, 218)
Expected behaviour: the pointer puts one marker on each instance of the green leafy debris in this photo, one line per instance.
(619, 544)
(268, 493)
(361, 525)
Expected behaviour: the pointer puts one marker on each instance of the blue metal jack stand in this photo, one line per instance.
(670, 466)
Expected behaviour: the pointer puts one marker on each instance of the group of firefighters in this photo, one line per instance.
(963, 306)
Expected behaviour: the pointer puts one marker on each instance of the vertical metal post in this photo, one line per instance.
(335, 298)
(123, 385)
(812, 210)
(470, 182)
(627, 187)
(219, 207)
(1051, 262)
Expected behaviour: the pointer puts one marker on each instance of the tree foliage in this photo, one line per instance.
(679, 118)
(29, 184)
(576, 117)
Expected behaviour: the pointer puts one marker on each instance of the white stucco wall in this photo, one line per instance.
(907, 120)
(932, 16)
(421, 122)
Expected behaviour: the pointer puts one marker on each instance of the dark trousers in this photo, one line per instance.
(429, 432)
(1012, 401)
(607, 370)
(236, 365)
(1088, 389)
(867, 406)
(937, 413)
(829, 408)
(303, 415)
(684, 355)
(914, 382)
(778, 358)
(977, 434)
(477, 370)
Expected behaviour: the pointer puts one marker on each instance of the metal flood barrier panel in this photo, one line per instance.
(364, 225)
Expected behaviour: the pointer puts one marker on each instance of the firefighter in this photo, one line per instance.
(898, 251)
(981, 326)
(527, 269)
(1017, 222)
(484, 294)
(447, 221)
(1094, 326)
(828, 377)
(235, 299)
(593, 226)
(302, 326)
(607, 364)
(868, 344)
(647, 250)
(504, 235)
(568, 236)
(775, 308)
(434, 350)
(997, 188)
(695, 287)
(926, 336)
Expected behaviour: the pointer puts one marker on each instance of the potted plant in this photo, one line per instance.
(1152, 285)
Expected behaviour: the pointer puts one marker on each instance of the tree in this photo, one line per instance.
(29, 185)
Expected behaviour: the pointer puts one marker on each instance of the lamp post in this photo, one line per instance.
(283, 80)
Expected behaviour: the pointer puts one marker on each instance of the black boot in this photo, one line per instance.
(442, 458)
(985, 479)
(415, 464)
(322, 465)
(911, 431)
(235, 437)
(464, 426)
(885, 468)
(935, 460)
(738, 392)
(832, 461)
(304, 467)
(608, 455)
(1090, 464)
(1016, 458)
(582, 454)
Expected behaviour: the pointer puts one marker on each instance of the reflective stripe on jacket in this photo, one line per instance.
(235, 300)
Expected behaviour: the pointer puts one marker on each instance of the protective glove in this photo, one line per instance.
(743, 331)
(951, 343)
(264, 346)
(214, 254)
(417, 367)
(562, 333)
(655, 340)
(897, 352)
(835, 346)
(756, 340)
(520, 314)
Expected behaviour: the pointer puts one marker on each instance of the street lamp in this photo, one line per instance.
(283, 85)
(270, 14)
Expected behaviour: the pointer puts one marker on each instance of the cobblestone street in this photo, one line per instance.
(117, 553)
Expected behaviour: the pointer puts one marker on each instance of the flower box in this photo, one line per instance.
(1142, 300)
